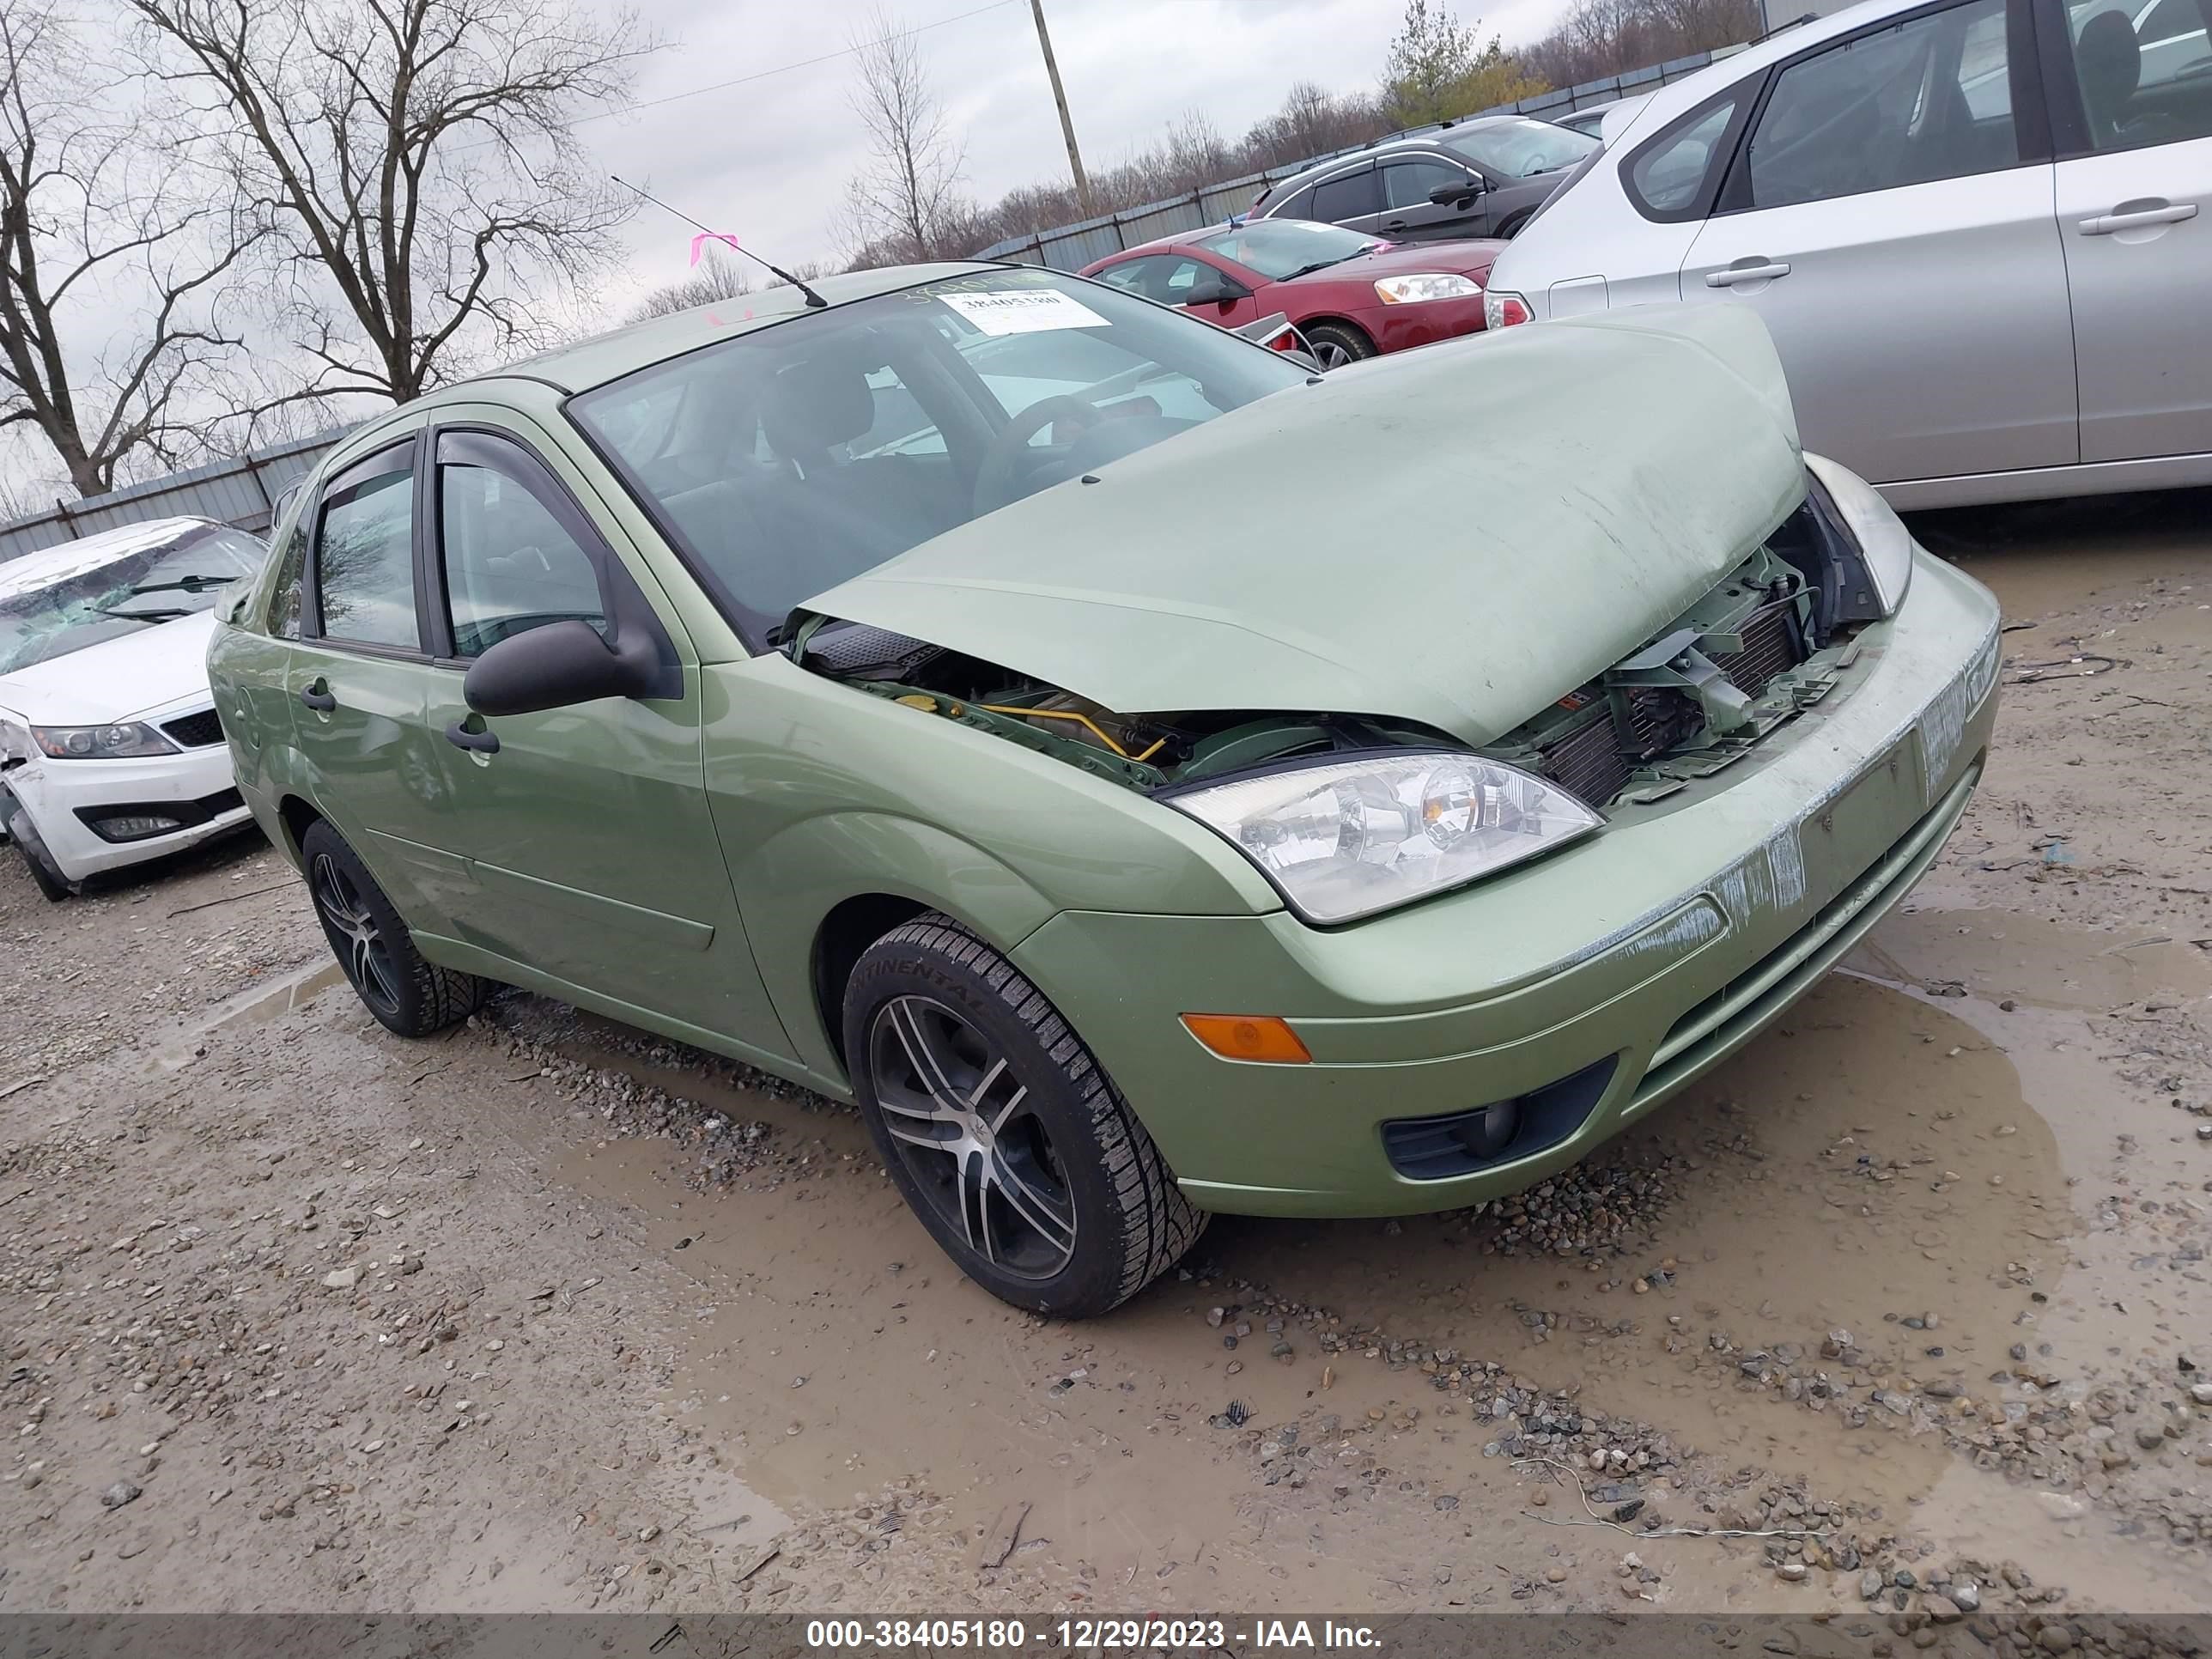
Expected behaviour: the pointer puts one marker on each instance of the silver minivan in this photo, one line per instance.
(1980, 232)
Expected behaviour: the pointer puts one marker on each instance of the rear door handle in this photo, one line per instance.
(483, 742)
(317, 699)
(1756, 273)
(2134, 218)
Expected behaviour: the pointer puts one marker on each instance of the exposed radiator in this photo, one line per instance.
(1770, 647)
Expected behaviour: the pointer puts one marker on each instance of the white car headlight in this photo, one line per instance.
(1410, 290)
(121, 741)
(1344, 839)
(1884, 542)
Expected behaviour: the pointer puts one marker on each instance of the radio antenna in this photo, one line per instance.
(813, 298)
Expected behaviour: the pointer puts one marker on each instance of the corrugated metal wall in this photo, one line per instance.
(242, 492)
(1071, 247)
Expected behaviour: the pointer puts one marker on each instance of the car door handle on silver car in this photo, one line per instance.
(2134, 216)
(1759, 270)
(478, 742)
(318, 697)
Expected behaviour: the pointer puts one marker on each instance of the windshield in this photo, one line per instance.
(1279, 248)
(128, 595)
(789, 459)
(1519, 148)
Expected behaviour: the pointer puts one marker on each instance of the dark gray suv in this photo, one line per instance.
(1478, 178)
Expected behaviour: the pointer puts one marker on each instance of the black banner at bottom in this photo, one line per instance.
(1861, 1635)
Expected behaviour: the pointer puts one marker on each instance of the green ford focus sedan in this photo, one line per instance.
(1148, 777)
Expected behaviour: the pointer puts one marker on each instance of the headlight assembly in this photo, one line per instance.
(1410, 290)
(130, 739)
(1884, 543)
(1347, 838)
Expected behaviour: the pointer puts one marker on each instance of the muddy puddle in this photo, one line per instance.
(1909, 1183)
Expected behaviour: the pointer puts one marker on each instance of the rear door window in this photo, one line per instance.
(1670, 176)
(1348, 196)
(365, 554)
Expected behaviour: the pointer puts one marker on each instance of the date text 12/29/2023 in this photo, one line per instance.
(1008, 1635)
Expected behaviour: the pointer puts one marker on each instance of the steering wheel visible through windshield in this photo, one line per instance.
(1519, 149)
(126, 594)
(793, 458)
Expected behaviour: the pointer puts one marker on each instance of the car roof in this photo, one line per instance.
(609, 356)
(1433, 137)
(49, 565)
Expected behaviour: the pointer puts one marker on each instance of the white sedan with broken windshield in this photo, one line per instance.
(110, 751)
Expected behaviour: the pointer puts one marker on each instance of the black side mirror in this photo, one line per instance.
(561, 664)
(1457, 195)
(1215, 291)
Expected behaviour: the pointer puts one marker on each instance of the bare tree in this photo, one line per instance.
(1599, 38)
(413, 160)
(83, 228)
(906, 203)
(715, 278)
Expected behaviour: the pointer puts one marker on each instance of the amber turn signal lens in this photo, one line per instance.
(1249, 1037)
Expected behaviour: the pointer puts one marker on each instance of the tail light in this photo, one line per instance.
(1502, 310)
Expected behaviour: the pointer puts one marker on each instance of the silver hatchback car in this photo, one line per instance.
(1980, 232)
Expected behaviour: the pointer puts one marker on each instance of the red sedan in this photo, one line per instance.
(1350, 295)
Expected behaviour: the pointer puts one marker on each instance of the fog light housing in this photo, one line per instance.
(134, 826)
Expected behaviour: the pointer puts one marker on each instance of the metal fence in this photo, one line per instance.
(242, 492)
(1071, 247)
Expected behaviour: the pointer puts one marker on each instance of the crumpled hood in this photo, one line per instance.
(1455, 536)
(116, 679)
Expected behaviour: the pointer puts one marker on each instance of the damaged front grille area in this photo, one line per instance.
(1737, 665)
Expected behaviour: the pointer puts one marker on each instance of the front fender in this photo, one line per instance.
(791, 882)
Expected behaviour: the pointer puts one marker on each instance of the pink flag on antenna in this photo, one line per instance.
(707, 236)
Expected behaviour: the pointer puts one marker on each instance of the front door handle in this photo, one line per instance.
(317, 696)
(1757, 272)
(2134, 218)
(481, 742)
(1394, 224)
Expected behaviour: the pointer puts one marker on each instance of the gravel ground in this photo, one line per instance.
(1901, 1316)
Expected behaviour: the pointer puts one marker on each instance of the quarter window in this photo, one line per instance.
(510, 566)
(1346, 197)
(1668, 178)
(1923, 100)
(365, 562)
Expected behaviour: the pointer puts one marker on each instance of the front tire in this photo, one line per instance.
(408, 994)
(1335, 345)
(44, 873)
(1013, 1148)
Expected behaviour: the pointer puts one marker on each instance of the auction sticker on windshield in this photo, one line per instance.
(1023, 310)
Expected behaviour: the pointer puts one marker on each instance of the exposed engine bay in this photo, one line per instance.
(1766, 642)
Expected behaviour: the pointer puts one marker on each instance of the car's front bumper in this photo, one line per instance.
(195, 784)
(1402, 327)
(1661, 945)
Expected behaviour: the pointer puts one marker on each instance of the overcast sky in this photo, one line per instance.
(769, 159)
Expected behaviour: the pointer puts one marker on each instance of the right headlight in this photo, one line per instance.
(1884, 543)
(129, 739)
(1347, 838)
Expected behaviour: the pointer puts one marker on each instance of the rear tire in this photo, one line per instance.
(44, 871)
(1013, 1148)
(408, 994)
(1335, 345)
